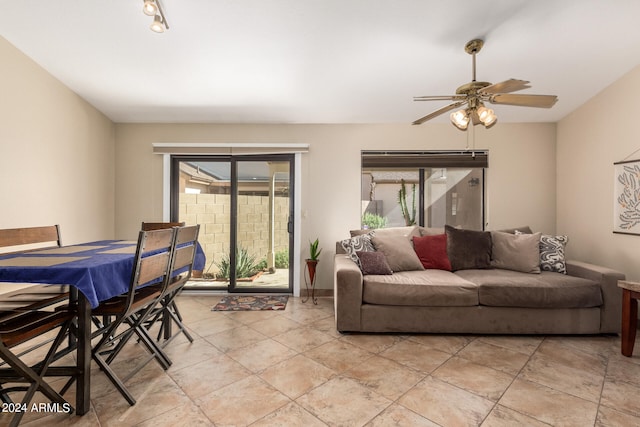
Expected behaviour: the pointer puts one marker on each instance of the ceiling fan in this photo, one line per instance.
(474, 94)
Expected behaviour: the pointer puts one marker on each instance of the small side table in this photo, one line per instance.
(630, 297)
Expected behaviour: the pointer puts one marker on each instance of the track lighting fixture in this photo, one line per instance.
(153, 8)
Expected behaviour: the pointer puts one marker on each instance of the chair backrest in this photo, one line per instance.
(27, 237)
(184, 254)
(149, 226)
(152, 261)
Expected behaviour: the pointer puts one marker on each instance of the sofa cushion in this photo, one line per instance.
(468, 248)
(373, 263)
(519, 252)
(357, 243)
(399, 252)
(432, 251)
(435, 288)
(506, 288)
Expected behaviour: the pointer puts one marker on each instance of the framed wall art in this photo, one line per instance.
(626, 204)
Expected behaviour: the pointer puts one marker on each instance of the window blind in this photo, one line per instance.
(425, 159)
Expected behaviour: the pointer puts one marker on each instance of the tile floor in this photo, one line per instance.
(292, 368)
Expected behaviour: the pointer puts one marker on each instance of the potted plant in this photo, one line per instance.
(312, 262)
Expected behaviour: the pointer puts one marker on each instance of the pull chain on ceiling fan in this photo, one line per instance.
(474, 94)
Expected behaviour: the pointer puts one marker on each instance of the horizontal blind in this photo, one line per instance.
(228, 148)
(425, 159)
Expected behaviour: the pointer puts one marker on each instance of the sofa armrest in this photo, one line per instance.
(610, 316)
(347, 293)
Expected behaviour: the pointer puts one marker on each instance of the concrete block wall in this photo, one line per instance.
(213, 213)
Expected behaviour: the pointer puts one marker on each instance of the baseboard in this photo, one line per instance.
(318, 292)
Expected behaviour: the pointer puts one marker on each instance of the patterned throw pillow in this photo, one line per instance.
(358, 243)
(552, 253)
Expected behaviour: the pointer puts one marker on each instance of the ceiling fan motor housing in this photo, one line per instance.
(471, 87)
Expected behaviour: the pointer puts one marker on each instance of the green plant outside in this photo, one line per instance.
(371, 221)
(282, 259)
(409, 217)
(246, 265)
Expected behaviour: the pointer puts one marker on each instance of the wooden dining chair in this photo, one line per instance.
(159, 225)
(18, 329)
(33, 296)
(149, 226)
(128, 312)
(30, 237)
(181, 269)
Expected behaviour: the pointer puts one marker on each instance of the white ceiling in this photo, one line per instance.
(321, 61)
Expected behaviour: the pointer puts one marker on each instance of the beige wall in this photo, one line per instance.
(56, 154)
(521, 174)
(603, 131)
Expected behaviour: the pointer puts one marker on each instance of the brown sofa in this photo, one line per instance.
(487, 300)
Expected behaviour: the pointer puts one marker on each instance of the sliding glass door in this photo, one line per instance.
(244, 205)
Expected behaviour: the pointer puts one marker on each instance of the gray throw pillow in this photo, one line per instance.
(399, 252)
(519, 252)
(373, 263)
(468, 249)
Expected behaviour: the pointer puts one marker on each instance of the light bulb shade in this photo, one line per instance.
(157, 25)
(492, 121)
(460, 119)
(483, 113)
(150, 8)
(487, 116)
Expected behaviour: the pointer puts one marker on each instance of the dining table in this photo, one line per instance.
(96, 271)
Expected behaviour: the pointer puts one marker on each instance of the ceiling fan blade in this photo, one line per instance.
(439, 98)
(438, 112)
(539, 101)
(511, 85)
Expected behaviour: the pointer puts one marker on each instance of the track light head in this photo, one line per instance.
(150, 8)
(157, 25)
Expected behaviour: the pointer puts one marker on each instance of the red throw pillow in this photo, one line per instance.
(432, 251)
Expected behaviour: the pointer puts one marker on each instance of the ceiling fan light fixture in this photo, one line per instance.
(460, 119)
(487, 116)
(157, 25)
(150, 8)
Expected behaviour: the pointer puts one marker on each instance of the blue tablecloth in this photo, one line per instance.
(100, 270)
